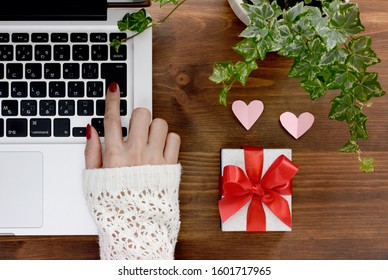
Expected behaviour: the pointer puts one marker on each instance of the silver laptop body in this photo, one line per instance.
(45, 109)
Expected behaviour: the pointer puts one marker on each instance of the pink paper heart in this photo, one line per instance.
(247, 114)
(297, 126)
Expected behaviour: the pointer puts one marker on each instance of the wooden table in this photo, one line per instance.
(338, 212)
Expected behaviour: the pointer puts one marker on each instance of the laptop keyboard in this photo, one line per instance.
(53, 84)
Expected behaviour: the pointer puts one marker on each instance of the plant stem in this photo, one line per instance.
(169, 14)
(156, 23)
(359, 155)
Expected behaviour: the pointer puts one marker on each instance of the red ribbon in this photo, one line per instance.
(238, 188)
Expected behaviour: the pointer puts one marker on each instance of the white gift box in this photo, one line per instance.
(238, 222)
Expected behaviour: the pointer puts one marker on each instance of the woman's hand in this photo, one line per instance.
(147, 143)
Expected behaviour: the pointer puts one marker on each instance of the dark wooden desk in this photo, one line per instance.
(338, 212)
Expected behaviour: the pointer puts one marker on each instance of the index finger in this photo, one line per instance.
(112, 119)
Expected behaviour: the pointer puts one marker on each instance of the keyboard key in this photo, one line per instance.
(1, 128)
(59, 37)
(80, 52)
(76, 89)
(57, 89)
(47, 108)
(85, 108)
(1, 71)
(98, 37)
(99, 52)
(98, 124)
(61, 127)
(38, 89)
(79, 37)
(14, 71)
(52, 71)
(39, 37)
(124, 131)
(79, 131)
(29, 108)
(4, 89)
(42, 52)
(89, 71)
(6, 52)
(20, 37)
(33, 71)
(40, 127)
(9, 108)
(66, 107)
(16, 127)
(71, 71)
(61, 52)
(24, 52)
(120, 55)
(118, 36)
(123, 107)
(115, 72)
(4, 37)
(95, 89)
(19, 89)
(100, 107)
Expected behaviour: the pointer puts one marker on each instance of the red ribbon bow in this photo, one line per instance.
(238, 189)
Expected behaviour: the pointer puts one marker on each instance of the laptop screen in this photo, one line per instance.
(53, 10)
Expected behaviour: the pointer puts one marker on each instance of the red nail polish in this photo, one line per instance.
(88, 131)
(113, 87)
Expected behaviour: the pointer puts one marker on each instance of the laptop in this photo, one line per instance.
(55, 66)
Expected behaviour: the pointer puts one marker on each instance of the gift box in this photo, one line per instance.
(256, 189)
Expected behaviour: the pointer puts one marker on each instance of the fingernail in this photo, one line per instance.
(88, 131)
(113, 87)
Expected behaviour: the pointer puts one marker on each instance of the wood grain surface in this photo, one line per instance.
(338, 212)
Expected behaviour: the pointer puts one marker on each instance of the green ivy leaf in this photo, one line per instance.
(304, 68)
(368, 87)
(343, 78)
(335, 56)
(332, 37)
(294, 48)
(263, 11)
(316, 18)
(253, 30)
(330, 7)
(291, 14)
(248, 49)
(350, 147)
(315, 87)
(137, 22)
(222, 72)
(164, 2)
(367, 165)
(361, 54)
(358, 127)
(343, 109)
(303, 28)
(347, 19)
(223, 94)
(242, 70)
(116, 44)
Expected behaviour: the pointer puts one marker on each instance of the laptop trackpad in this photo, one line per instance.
(21, 189)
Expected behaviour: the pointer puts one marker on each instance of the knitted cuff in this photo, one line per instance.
(137, 177)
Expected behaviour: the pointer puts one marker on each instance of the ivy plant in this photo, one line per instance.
(139, 21)
(320, 37)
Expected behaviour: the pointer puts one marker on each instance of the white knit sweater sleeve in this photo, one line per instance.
(136, 210)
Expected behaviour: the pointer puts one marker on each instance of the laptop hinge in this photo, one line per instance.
(132, 4)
